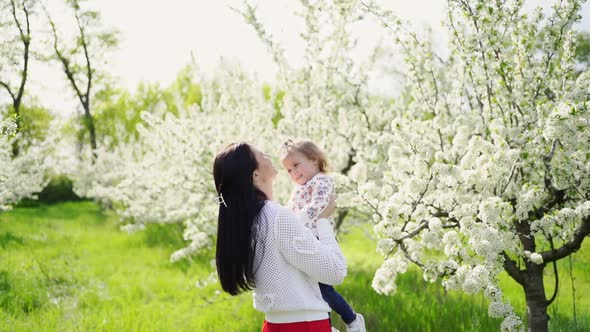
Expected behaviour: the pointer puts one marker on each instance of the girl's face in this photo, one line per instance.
(300, 168)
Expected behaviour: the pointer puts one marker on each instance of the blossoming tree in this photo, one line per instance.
(489, 167)
(165, 175)
(482, 165)
(21, 176)
(327, 99)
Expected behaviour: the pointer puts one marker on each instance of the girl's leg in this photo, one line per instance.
(337, 303)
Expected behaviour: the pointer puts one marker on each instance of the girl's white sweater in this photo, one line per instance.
(289, 261)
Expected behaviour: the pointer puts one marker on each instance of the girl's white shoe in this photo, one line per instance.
(358, 325)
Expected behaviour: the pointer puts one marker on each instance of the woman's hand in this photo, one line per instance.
(330, 208)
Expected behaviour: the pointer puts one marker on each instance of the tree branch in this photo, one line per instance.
(340, 219)
(523, 229)
(513, 270)
(556, 273)
(571, 246)
(63, 59)
(547, 162)
(5, 85)
(415, 203)
(26, 39)
(423, 226)
(16, 21)
(86, 57)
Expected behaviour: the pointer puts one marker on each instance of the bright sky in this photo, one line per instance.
(158, 37)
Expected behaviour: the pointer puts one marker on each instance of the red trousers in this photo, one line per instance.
(314, 326)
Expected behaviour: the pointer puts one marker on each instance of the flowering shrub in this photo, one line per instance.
(166, 174)
(21, 176)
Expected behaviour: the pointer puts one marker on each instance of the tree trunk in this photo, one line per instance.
(15, 144)
(340, 218)
(89, 120)
(536, 302)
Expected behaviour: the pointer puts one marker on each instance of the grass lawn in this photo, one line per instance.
(67, 267)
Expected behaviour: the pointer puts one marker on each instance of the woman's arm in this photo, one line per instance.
(321, 259)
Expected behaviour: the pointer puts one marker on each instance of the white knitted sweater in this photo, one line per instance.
(288, 264)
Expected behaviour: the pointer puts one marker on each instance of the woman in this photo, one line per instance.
(261, 246)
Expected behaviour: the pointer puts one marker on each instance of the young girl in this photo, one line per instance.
(307, 165)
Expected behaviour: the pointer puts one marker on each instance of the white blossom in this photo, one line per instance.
(24, 175)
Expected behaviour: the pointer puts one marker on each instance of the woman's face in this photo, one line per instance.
(266, 171)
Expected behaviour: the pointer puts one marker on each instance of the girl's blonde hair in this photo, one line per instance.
(308, 149)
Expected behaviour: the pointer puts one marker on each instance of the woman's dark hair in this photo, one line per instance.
(236, 238)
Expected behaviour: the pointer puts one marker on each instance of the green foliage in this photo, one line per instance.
(114, 111)
(185, 89)
(74, 270)
(19, 295)
(8, 237)
(165, 235)
(277, 98)
(583, 50)
(117, 111)
(59, 189)
(34, 122)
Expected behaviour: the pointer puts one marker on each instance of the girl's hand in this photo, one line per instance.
(330, 208)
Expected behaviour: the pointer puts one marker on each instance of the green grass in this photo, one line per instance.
(67, 267)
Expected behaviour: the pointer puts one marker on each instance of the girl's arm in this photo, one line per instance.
(320, 197)
(320, 258)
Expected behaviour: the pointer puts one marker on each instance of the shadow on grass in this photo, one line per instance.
(170, 237)
(8, 237)
(84, 211)
(559, 322)
(15, 299)
(23, 291)
(164, 235)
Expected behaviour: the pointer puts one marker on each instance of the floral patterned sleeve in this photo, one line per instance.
(323, 187)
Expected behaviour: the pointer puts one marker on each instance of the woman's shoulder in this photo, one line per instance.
(275, 211)
(274, 207)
